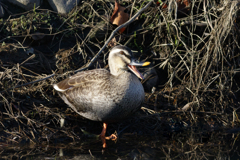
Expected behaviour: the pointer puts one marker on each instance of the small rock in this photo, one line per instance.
(1, 11)
(26, 4)
(30, 51)
(63, 6)
(62, 121)
(38, 36)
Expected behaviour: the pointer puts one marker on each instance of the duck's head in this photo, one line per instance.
(121, 59)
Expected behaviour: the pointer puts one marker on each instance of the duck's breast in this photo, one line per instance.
(127, 97)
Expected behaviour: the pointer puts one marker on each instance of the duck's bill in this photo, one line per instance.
(135, 63)
(132, 67)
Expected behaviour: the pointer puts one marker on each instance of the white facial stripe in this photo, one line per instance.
(117, 50)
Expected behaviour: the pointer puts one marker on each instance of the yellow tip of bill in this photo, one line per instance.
(146, 63)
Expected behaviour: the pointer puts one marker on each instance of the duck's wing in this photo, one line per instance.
(84, 90)
(82, 79)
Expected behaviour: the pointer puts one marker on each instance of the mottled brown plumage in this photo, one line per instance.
(100, 95)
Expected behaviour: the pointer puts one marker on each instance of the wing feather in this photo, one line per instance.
(82, 79)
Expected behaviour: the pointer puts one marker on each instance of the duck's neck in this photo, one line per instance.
(116, 70)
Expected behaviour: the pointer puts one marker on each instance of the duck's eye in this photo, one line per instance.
(123, 53)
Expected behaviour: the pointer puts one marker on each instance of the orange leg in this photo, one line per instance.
(104, 138)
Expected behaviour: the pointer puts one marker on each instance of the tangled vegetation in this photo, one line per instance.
(194, 53)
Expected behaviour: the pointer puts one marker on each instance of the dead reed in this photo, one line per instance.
(194, 51)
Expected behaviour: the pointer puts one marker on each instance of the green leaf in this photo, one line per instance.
(14, 23)
(160, 2)
(35, 28)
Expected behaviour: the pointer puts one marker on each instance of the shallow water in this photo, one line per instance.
(175, 145)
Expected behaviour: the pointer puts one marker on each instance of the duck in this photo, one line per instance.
(106, 96)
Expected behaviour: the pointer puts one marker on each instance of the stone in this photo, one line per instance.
(1, 11)
(26, 4)
(63, 6)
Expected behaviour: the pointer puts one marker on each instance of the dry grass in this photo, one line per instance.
(195, 54)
